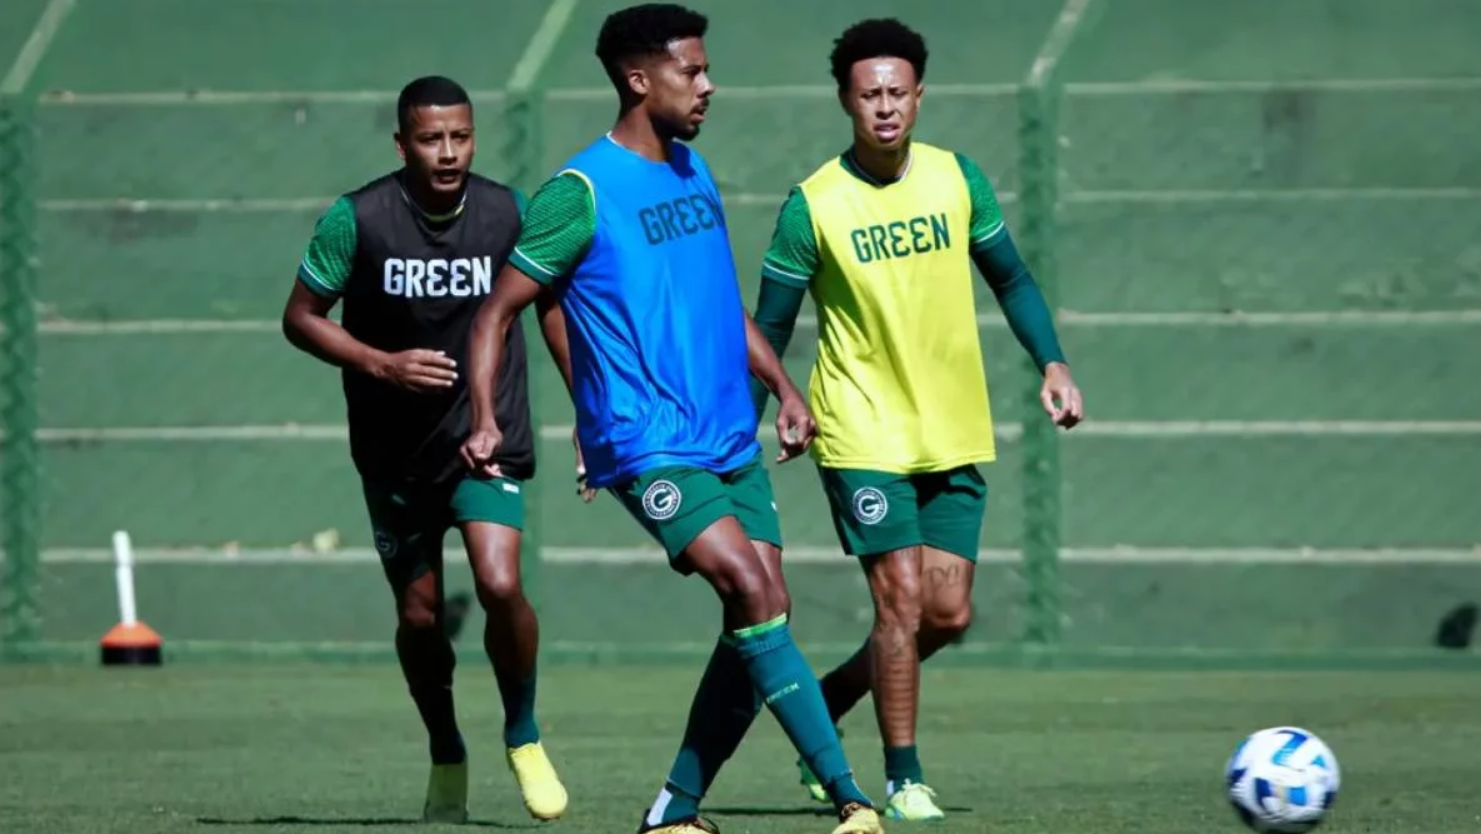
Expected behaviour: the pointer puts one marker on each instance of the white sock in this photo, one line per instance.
(889, 788)
(661, 804)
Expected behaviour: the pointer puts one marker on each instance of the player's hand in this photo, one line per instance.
(795, 427)
(586, 492)
(478, 451)
(1060, 396)
(419, 370)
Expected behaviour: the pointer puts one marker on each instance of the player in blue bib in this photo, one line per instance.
(630, 236)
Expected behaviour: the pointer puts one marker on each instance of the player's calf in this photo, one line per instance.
(896, 587)
(511, 640)
(511, 634)
(427, 663)
(726, 702)
(756, 622)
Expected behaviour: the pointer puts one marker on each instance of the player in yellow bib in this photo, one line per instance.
(884, 237)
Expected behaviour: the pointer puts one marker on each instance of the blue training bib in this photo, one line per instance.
(655, 321)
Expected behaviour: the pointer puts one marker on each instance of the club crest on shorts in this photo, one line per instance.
(661, 500)
(385, 544)
(870, 505)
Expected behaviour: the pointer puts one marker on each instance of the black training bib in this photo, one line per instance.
(414, 284)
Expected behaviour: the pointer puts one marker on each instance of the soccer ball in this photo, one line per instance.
(1282, 780)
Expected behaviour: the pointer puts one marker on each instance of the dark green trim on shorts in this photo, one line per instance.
(876, 512)
(677, 503)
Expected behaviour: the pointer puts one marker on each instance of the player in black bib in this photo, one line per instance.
(412, 255)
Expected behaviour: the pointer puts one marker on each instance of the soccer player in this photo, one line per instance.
(884, 237)
(631, 236)
(412, 254)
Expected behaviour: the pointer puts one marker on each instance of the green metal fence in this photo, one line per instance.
(1268, 285)
(20, 513)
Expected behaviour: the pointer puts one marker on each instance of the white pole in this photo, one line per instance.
(123, 554)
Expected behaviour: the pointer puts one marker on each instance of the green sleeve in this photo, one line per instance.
(331, 251)
(776, 315)
(521, 202)
(793, 255)
(987, 215)
(559, 224)
(997, 258)
(1020, 298)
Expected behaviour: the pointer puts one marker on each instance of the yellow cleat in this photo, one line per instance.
(809, 780)
(690, 826)
(913, 802)
(815, 788)
(447, 794)
(544, 795)
(858, 819)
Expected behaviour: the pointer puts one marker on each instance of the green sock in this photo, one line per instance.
(781, 674)
(519, 711)
(427, 661)
(901, 764)
(724, 707)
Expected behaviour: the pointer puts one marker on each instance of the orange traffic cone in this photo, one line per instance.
(130, 643)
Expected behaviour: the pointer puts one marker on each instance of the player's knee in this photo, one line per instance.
(782, 600)
(743, 584)
(948, 623)
(767, 597)
(417, 604)
(498, 588)
(771, 562)
(418, 615)
(897, 598)
(747, 590)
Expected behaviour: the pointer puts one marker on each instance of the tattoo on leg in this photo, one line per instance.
(938, 578)
(896, 684)
(898, 643)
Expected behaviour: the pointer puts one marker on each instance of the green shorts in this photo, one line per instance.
(676, 503)
(876, 512)
(409, 523)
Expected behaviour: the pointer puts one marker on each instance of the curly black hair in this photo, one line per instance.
(877, 38)
(643, 30)
(428, 91)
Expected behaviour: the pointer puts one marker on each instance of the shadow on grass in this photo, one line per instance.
(365, 822)
(794, 811)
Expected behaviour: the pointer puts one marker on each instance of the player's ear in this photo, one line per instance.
(400, 145)
(637, 81)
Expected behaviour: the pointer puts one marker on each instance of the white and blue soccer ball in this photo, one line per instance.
(1282, 780)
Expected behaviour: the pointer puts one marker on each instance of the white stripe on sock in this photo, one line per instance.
(661, 804)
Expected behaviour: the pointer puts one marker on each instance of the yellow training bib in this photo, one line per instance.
(899, 384)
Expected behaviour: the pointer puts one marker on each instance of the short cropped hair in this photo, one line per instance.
(877, 38)
(644, 30)
(428, 91)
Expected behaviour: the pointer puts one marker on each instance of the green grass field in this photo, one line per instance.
(298, 748)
